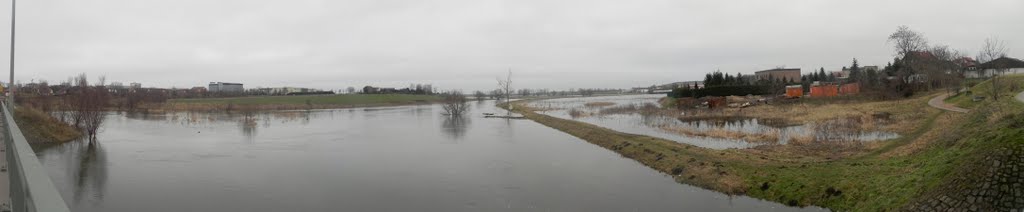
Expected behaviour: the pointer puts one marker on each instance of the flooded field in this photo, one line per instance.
(407, 158)
(640, 114)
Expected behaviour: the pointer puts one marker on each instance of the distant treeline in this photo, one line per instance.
(723, 84)
(724, 90)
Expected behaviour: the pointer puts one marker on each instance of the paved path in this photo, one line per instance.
(5, 197)
(938, 103)
(1020, 97)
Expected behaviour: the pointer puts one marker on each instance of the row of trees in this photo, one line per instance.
(499, 93)
(724, 84)
(81, 105)
(917, 66)
(920, 66)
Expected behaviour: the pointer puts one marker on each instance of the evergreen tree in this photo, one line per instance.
(821, 74)
(855, 72)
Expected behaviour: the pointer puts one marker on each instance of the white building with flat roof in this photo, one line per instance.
(225, 87)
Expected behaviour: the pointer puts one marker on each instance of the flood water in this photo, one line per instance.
(407, 158)
(653, 124)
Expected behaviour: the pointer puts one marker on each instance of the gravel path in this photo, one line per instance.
(938, 103)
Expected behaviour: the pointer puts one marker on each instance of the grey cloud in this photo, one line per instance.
(466, 44)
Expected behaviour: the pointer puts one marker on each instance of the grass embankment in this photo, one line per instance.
(880, 176)
(41, 128)
(966, 100)
(977, 164)
(295, 102)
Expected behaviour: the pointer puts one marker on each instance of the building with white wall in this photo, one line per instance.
(225, 87)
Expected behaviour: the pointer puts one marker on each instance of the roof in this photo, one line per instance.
(966, 62)
(225, 83)
(1003, 62)
(920, 54)
(779, 69)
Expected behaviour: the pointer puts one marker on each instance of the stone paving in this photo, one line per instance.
(994, 184)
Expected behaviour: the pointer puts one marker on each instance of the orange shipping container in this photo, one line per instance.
(824, 90)
(794, 91)
(848, 89)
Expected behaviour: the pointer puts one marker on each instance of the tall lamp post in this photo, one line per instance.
(10, 84)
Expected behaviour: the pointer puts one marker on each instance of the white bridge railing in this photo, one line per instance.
(31, 188)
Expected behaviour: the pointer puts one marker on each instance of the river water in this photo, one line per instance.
(407, 158)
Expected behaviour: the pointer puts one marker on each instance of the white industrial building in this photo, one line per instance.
(225, 87)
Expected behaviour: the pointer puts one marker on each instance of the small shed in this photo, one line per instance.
(794, 91)
(824, 90)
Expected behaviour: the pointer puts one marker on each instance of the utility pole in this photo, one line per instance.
(10, 84)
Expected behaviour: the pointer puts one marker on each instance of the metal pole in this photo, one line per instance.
(10, 84)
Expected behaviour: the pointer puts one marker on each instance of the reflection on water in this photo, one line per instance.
(407, 158)
(86, 170)
(455, 126)
(92, 173)
(634, 114)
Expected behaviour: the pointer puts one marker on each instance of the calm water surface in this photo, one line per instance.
(406, 158)
(651, 124)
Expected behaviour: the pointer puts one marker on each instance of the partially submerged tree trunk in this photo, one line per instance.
(505, 86)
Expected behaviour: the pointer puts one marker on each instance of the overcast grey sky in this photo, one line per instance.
(466, 44)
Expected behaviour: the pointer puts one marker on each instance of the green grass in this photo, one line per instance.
(984, 88)
(885, 178)
(342, 99)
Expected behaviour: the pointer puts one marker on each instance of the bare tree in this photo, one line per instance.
(495, 94)
(908, 44)
(479, 95)
(505, 87)
(454, 103)
(85, 104)
(993, 49)
(350, 89)
(941, 68)
(906, 41)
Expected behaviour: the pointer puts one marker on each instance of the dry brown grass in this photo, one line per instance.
(771, 136)
(944, 127)
(822, 148)
(575, 113)
(598, 104)
(905, 113)
(39, 127)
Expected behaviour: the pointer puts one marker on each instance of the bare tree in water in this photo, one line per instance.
(479, 95)
(454, 103)
(505, 88)
(84, 104)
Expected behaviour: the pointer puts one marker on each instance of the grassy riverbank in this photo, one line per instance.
(294, 102)
(883, 175)
(40, 128)
(966, 100)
